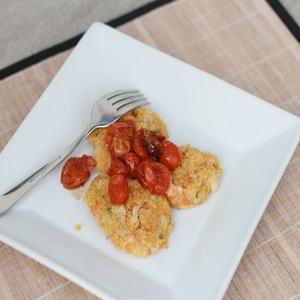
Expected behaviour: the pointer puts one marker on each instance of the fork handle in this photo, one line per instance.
(16, 193)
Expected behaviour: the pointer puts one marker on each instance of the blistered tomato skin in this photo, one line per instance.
(142, 154)
(153, 176)
(132, 161)
(140, 149)
(119, 138)
(140, 172)
(151, 141)
(117, 167)
(76, 171)
(171, 156)
(118, 189)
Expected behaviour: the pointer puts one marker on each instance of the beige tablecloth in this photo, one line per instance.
(242, 42)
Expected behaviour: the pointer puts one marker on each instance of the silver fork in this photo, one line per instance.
(107, 110)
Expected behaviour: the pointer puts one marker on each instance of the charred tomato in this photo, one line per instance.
(76, 171)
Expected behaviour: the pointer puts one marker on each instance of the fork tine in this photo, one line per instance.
(120, 94)
(125, 96)
(124, 108)
(127, 100)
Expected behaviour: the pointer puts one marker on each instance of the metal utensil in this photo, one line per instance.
(105, 111)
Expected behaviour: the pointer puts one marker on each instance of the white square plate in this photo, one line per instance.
(253, 139)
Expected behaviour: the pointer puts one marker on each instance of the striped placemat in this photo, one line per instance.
(242, 42)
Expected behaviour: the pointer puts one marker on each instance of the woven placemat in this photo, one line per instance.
(242, 42)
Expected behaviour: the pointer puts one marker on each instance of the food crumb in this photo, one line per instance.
(77, 227)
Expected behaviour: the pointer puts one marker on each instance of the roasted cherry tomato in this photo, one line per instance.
(140, 149)
(171, 156)
(76, 171)
(132, 161)
(117, 167)
(153, 176)
(119, 138)
(140, 171)
(150, 140)
(118, 189)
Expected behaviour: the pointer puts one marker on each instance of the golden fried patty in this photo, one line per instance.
(141, 226)
(194, 180)
(142, 117)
